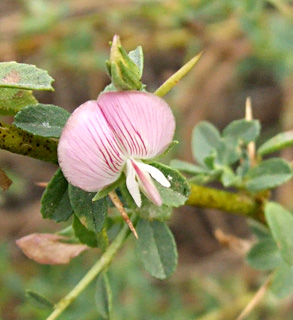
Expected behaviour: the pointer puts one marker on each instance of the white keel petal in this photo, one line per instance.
(132, 184)
(156, 174)
(146, 183)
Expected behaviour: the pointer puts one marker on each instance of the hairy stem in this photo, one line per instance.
(234, 203)
(97, 268)
(19, 141)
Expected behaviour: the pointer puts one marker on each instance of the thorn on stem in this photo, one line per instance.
(41, 184)
(119, 205)
(251, 145)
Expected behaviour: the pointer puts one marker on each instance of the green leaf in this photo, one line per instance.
(55, 202)
(177, 194)
(24, 76)
(150, 211)
(137, 57)
(187, 167)
(38, 301)
(268, 174)
(229, 179)
(242, 130)
(104, 192)
(259, 230)
(13, 100)
(44, 120)
(282, 284)
(83, 234)
(228, 152)
(156, 248)
(264, 255)
(205, 140)
(279, 142)
(91, 214)
(103, 297)
(280, 222)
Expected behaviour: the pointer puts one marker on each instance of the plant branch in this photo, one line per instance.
(21, 142)
(97, 268)
(234, 203)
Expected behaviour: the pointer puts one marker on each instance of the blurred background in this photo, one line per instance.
(247, 52)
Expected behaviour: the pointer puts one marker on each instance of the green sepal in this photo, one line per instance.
(169, 148)
(104, 192)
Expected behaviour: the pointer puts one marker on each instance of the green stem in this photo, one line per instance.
(19, 141)
(97, 268)
(173, 80)
(234, 203)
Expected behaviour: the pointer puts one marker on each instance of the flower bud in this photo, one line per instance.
(124, 73)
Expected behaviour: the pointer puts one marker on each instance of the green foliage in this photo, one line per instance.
(268, 174)
(280, 222)
(38, 300)
(205, 140)
(92, 214)
(156, 248)
(150, 211)
(103, 297)
(83, 234)
(242, 131)
(177, 194)
(274, 249)
(187, 167)
(282, 284)
(277, 143)
(225, 157)
(55, 201)
(45, 120)
(264, 255)
(13, 100)
(24, 76)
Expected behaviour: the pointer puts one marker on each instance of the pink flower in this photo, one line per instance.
(115, 134)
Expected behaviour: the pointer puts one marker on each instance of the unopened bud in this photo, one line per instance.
(124, 73)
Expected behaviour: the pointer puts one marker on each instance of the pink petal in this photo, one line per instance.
(88, 152)
(146, 184)
(143, 123)
(46, 249)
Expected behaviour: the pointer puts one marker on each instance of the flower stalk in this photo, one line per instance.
(96, 269)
